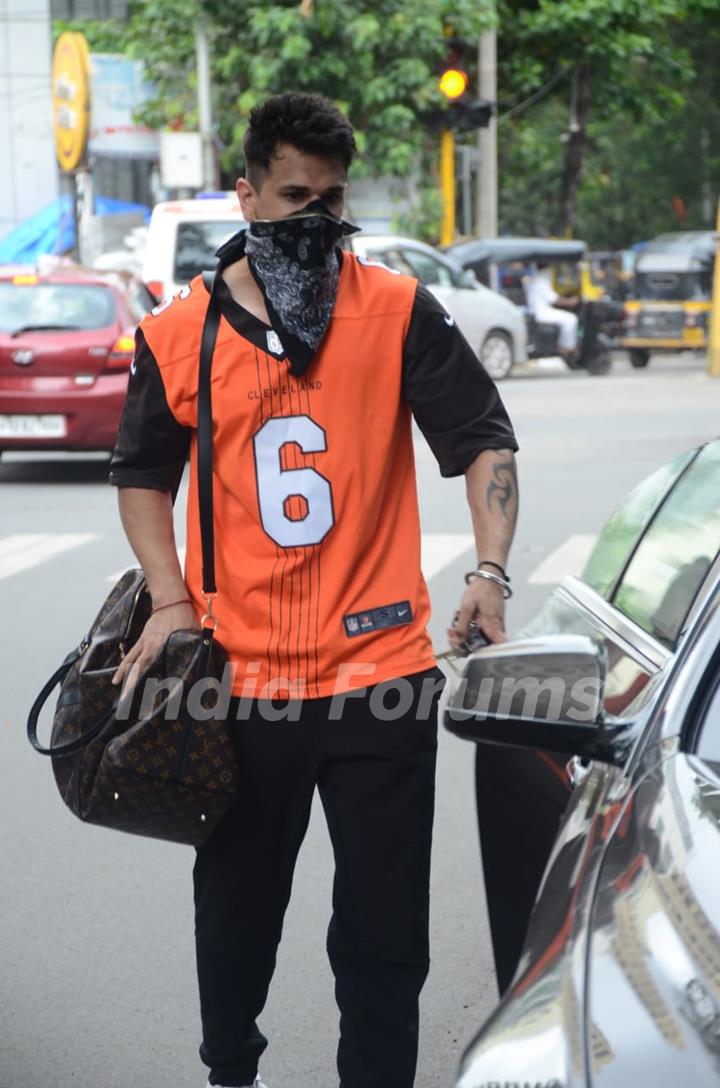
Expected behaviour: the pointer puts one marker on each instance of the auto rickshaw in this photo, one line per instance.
(504, 264)
(669, 308)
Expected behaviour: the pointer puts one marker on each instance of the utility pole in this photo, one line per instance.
(487, 185)
(204, 93)
(713, 356)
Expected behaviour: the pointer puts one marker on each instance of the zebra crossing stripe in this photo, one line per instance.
(439, 550)
(569, 558)
(23, 551)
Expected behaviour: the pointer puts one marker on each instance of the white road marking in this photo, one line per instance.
(569, 558)
(116, 575)
(22, 551)
(439, 550)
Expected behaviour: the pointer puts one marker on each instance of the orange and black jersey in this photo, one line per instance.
(316, 522)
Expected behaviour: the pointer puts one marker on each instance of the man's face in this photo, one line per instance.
(292, 181)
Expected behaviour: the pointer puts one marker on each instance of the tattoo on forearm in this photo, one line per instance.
(503, 488)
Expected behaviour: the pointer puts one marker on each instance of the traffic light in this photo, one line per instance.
(453, 83)
(463, 112)
(467, 113)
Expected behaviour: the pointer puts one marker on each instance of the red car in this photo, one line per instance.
(66, 345)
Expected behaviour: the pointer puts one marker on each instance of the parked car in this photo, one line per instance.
(182, 238)
(494, 327)
(618, 982)
(66, 345)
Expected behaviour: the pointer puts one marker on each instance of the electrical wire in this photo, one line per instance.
(539, 94)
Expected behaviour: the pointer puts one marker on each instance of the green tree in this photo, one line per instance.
(605, 57)
(378, 59)
(648, 162)
(607, 115)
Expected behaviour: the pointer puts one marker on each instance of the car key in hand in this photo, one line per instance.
(474, 640)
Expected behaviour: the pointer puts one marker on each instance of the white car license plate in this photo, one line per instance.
(33, 427)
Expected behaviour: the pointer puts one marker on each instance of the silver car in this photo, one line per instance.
(493, 325)
(618, 981)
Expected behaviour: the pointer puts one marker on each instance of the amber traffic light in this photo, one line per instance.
(453, 83)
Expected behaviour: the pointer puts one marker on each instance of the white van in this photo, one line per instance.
(182, 238)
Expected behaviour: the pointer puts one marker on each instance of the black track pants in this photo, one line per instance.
(376, 783)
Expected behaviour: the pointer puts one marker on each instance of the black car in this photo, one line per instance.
(618, 983)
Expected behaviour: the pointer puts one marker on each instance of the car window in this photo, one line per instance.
(55, 305)
(673, 558)
(625, 526)
(393, 258)
(140, 300)
(708, 742)
(430, 272)
(196, 245)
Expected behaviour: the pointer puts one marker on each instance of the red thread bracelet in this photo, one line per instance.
(185, 600)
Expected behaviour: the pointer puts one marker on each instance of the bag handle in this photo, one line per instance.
(72, 745)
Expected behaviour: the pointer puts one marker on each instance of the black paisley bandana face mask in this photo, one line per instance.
(295, 265)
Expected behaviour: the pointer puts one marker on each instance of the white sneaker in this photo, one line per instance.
(257, 1083)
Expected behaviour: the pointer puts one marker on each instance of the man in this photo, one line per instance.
(544, 304)
(320, 359)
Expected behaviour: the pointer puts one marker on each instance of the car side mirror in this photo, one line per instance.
(544, 692)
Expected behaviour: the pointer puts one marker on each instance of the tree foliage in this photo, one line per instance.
(648, 163)
(378, 59)
(607, 108)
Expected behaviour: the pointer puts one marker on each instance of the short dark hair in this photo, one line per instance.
(309, 122)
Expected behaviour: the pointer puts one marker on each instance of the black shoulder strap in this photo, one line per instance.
(204, 434)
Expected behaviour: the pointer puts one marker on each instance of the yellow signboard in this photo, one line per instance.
(71, 99)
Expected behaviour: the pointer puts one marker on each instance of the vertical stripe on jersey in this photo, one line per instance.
(289, 458)
(271, 602)
(315, 561)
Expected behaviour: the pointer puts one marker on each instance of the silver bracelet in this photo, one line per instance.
(507, 592)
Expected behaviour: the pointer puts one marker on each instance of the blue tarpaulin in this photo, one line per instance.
(51, 230)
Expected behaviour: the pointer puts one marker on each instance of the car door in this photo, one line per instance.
(654, 965)
(654, 969)
(622, 955)
(468, 306)
(521, 796)
(472, 308)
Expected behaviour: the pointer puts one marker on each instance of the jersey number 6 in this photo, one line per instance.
(277, 486)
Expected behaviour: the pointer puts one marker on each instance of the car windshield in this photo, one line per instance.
(49, 306)
(428, 270)
(197, 243)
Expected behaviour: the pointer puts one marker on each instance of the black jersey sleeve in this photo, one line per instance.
(151, 446)
(453, 399)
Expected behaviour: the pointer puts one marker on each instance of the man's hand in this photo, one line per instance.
(483, 602)
(155, 633)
